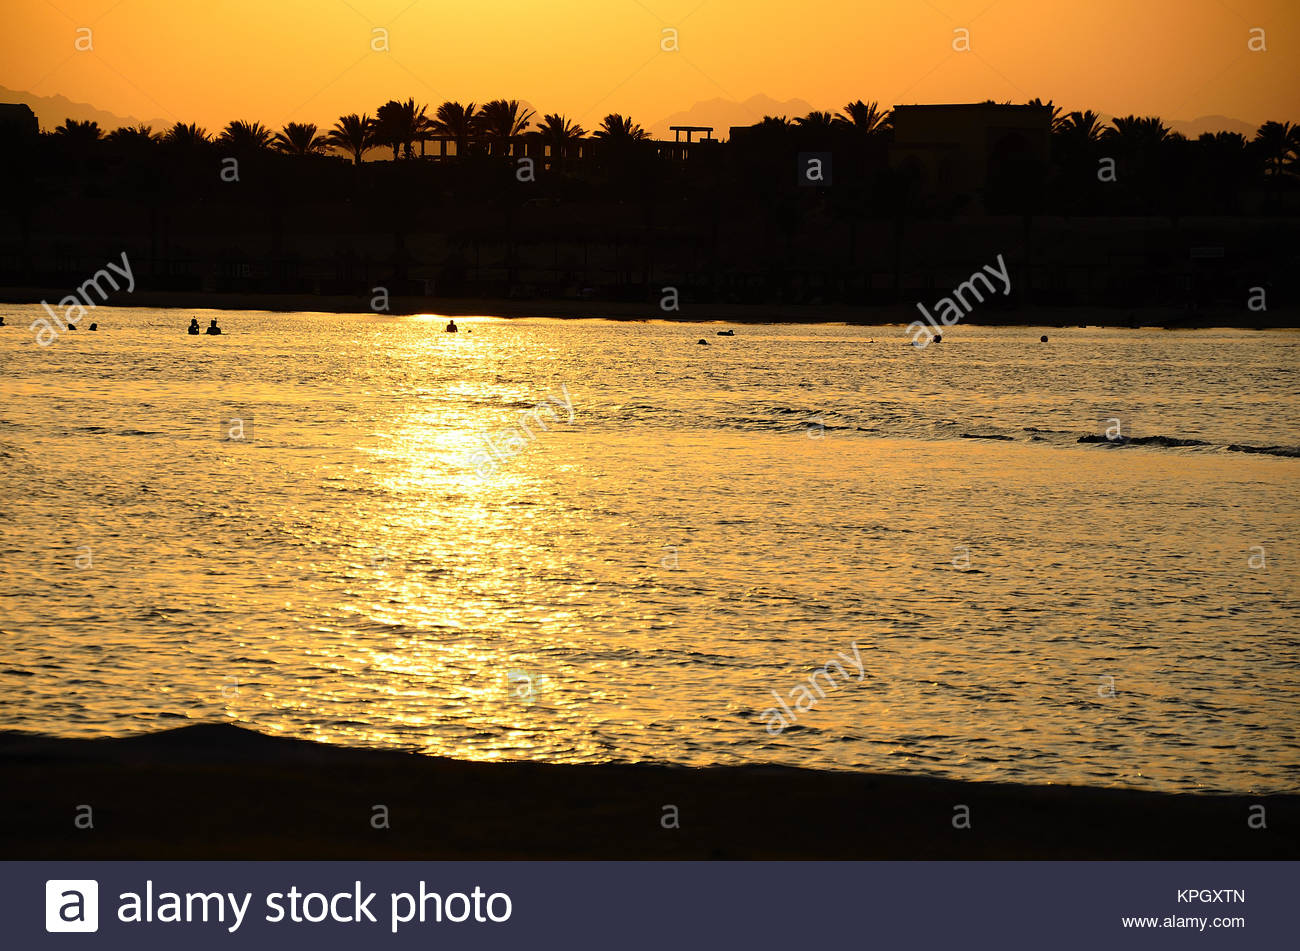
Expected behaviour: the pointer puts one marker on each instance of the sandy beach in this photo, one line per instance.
(221, 792)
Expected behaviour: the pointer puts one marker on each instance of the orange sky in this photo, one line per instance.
(275, 61)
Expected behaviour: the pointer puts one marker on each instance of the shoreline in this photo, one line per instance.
(509, 308)
(218, 791)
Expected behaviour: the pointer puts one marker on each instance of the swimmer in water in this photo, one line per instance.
(451, 327)
(194, 327)
(213, 329)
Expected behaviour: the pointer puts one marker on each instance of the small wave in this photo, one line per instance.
(1290, 452)
(985, 436)
(1173, 442)
(1168, 442)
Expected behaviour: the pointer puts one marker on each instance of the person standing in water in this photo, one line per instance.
(194, 327)
(213, 329)
(451, 327)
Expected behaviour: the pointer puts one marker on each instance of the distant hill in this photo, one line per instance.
(1195, 127)
(1192, 128)
(722, 114)
(52, 110)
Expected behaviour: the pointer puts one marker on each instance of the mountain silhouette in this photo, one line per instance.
(52, 110)
(1212, 124)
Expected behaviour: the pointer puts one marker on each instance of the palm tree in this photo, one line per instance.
(865, 117)
(398, 125)
(1058, 118)
(503, 119)
(78, 133)
(558, 132)
(298, 138)
(615, 127)
(134, 135)
(457, 122)
(821, 121)
(353, 134)
(1278, 144)
(243, 136)
(1227, 166)
(1080, 128)
(420, 126)
(186, 136)
(1137, 132)
(1138, 139)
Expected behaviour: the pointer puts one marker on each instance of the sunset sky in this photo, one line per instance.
(311, 60)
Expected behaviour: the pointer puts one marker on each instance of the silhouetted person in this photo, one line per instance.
(213, 329)
(451, 327)
(2, 321)
(194, 327)
(94, 326)
(1043, 339)
(938, 338)
(702, 342)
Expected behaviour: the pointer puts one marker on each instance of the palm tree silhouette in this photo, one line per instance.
(134, 135)
(299, 138)
(243, 136)
(186, 136)
(1081, 128)
(615, 127)
(820, 121)
(1279, 145)
(398, 125)
(1058, 118)
(457, 122)
(353, 134)
(503, 119)
(1136, 132)
(866, 117)
(559, 133)
(78, 133)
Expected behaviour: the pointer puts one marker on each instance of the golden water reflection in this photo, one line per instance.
(636, 583)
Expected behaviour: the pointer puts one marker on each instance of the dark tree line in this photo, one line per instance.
(1131, 165)
(611, 208)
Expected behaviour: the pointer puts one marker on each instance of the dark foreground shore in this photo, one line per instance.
(221, 792)
(1025, 316)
